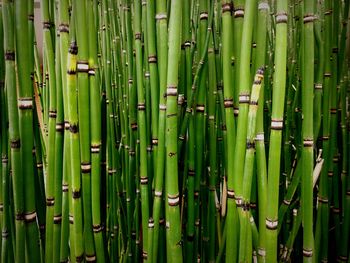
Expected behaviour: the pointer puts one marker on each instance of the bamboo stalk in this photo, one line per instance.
(276, 128)
(308, 133)
(232, 216)
(174, 249)
(25, 106)
(259, 141)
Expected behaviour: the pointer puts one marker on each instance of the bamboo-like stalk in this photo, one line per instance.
(6, 246)
(245, 245)
(212, 107)
(242, 121)
(276, 130)
(50, 182)
(323, 220)
(78, 252)
(188, 252)
(57, 219)
(199, 124)
(25, 106)
(141, 105)
(259, 141)
(94, 82)
(308, 133)
(84, 124)
(232, 216)
(174, 249)
(64, 42)
(162, 56)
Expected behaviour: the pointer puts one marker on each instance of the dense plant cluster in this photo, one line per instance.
(175, 130)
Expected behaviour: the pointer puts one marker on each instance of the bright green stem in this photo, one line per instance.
(307, 131)
(174, 248)
(279, 87)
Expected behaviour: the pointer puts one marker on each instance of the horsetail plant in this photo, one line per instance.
(140, 131)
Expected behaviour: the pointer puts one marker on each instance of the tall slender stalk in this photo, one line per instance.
(307, 154)
(279, 84)
(232, 216)
(260, 138)
(50, 183)
(200, 128)
(14, 136)
(84, 124)
(25, 106)
(213, 171)
(78, 252)
(94, 82)
(141, 105)
(174, 248)
(245, 247)
(323, 220)
(63, 41)
(162, 49)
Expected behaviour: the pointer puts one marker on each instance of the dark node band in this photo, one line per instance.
(90, 258)
(15, 144)
(173, 200)
(96, 228)
(138, 36)
(57, 219)
(171, 154)
(307, 252)
(79, 258)
(191, 172)
(203, 15)
(10, 55)
(200, 108)
(73, 48)
(20, 216)
(271, 224)
(63, 28)
(30, 217)
(52, 114)
(144, 180)
(152, 59)
(76, 194)
(47, 24)
(50, 201)
(228, 103)
(85, 167)
(238, 12)
(141, 106)
(250, 144)
(73, 128)
(281, 17)
(83, 66)
(230, 194)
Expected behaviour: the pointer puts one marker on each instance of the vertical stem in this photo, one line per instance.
(14, 137)
(279, 84)
(141, 105)
(232, 216)
(174, 247)
(261, 32)
(162, 49)
(25, 106)
(307, 154)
